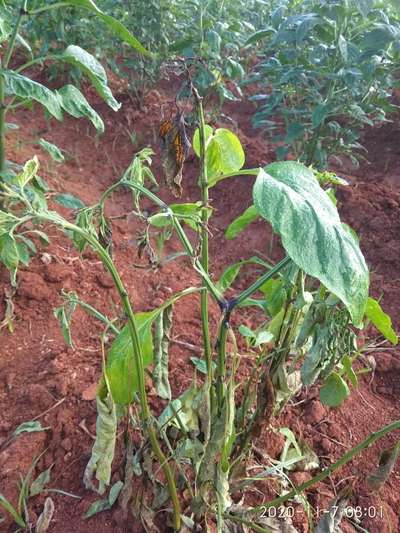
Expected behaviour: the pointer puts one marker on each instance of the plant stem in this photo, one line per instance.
(221, 364)
(373, 437)
(2, 125)
(259, 282)
(203, 182)
(10, 47)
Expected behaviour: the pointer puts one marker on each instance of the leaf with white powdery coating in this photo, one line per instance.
(288, 195)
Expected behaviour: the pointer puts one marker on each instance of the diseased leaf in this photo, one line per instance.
(74, 103)
(200, 364)
(334, 391)
(387, 463)
(52, 150)
(288, 195)
(162, 330)
(77, 56)
(241, 222)
(106, 504)
(332, 517)
(104, 446)
(69, 200)
(380, 320)
(25, 88)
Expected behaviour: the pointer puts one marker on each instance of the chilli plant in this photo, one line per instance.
(326, 70)
(194, 455)
(18, 89)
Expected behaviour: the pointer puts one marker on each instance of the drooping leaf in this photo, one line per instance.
(77, 56)
(334, 391)
(74, 103)
(162, 329)
(52, 150)
(69, 200)
(120, 368)
(106, 504)
(387, 462)
(288, 195)
(104, 446)
(380, 320)
(241, 222)
(332, 517)
(25, 88)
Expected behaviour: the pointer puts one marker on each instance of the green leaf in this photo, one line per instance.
(365, 6)
(241, 222)
(25, 88)
(319, 114)
(74, 103)
(9, 254)
(294, 131)
(113, 24)
(380, 320)
(228, 277)
(348, 368)
(39, 484)
(208, 132)
(259, 35)
(104, 446)
(224, 155)
(69, 200)
(201, 365)
(120, 368)
(77, 56)
(31, 426)
(52, 150)
(10, 509)
(288, 195)
(334, 391)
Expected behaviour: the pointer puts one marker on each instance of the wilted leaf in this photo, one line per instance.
(43, 523)
(103, 448)
(387, 463)
(162, 330)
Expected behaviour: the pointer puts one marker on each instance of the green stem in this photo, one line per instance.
(373, 437)
(204, 234)
(2, 125)
(13, 37)
(221, 363)
(260, 282)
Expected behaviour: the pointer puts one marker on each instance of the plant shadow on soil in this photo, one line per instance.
(37, 369)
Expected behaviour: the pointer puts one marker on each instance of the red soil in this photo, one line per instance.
(37, 369)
